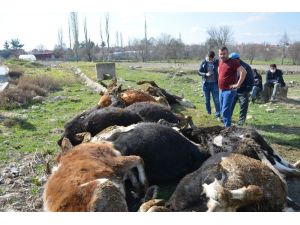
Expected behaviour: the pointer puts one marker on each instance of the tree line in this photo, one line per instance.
(165, 47)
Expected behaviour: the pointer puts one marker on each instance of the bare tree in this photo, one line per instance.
(107, 31)
(175, 49)
(70, 36)
(145, 50)
(162, 43)
(102, 42)
(60, 39)
(117, 39)
(59, 49)
(75, 32)
(267, 51)
(219, 37)
(121, 40)
(284, 44)
(101, 36)
(249, 51)
(294, 52)
(88, 44)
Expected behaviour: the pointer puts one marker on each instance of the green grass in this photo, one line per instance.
(32, 129)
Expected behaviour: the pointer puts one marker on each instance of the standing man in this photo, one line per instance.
(243, 91)
(274, 79)
(209, 72)
(228, 83)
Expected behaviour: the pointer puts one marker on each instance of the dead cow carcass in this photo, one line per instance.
(91, 177)
(230, 182)
(167, 154)
(246, 141)
(95, 120)
(115, 96)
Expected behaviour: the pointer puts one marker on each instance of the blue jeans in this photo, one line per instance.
(211, 87)
(254, 92)
(226, 101)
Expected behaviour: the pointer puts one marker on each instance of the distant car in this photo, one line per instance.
(31, 58)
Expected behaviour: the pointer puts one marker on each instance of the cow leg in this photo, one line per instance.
(132, 179)
(129, 162)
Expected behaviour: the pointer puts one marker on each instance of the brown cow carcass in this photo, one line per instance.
(91, 177)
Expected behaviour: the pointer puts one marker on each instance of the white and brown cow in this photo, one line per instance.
(91, 177)
(246, 141)
(230, 182)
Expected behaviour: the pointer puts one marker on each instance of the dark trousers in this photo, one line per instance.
(243, 99)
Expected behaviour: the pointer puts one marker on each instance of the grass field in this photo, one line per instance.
(38, 127)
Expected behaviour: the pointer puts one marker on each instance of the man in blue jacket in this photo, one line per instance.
(209, 72)
(244, 91)
(274, 79)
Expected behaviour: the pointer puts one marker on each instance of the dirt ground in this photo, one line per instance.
(21, 185)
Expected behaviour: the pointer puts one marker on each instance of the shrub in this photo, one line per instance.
(46, 82)
(33, 88)
(13, 97)
(27, 88)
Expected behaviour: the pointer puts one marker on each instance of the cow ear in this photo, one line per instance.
(66, 145)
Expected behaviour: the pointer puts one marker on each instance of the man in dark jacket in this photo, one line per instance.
(257, 85)
(209, 72)
(244, 90)
(274, 79)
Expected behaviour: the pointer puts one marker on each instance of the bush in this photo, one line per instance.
(36, 90)
(45, 82)
(14, 97)
(27, 88)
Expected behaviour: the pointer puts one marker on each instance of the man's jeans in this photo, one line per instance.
(226, 102)
(255, 91)
(276, 86)
(211, 87)
(243, 99)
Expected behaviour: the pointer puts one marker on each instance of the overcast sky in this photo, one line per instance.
(40, 27)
